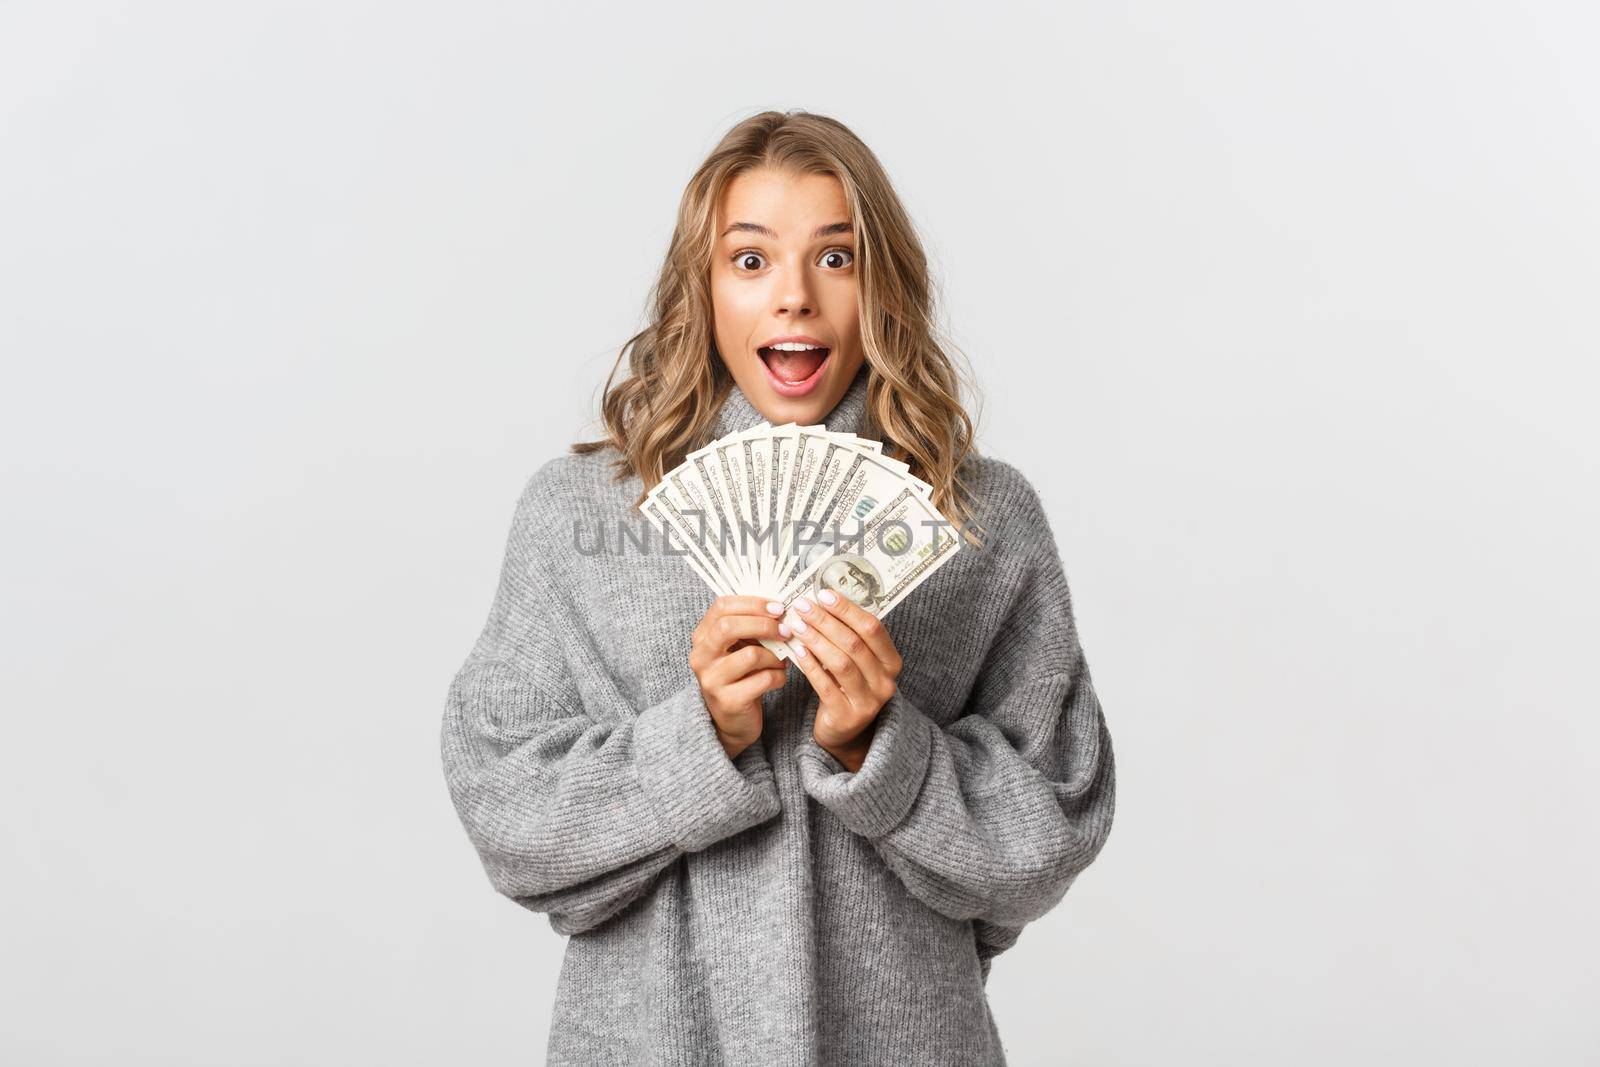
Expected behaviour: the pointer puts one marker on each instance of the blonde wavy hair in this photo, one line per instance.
(668, 406)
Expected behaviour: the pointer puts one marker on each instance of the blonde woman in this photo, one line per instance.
(753, 864)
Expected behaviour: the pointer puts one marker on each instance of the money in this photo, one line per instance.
(786, 511)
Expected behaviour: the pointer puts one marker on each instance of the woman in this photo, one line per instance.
(758, 866)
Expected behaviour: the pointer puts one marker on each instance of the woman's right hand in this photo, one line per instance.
(734, 669)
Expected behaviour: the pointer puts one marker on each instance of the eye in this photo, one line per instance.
(741, 259)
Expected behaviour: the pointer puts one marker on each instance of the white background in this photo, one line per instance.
(1287, 309)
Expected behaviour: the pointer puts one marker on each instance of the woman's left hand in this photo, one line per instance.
(852, 664)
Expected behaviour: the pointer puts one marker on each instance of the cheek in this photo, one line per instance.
(734, 307)
(844, 313)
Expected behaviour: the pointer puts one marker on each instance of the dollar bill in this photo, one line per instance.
(780, 511)
(896, 548)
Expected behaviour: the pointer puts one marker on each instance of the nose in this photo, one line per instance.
(794, 294)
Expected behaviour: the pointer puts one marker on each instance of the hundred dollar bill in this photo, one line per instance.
(768, 463)
(700, 491)
(797, 450)
(812, 473)
(847, 485)
(898, 546)
(677, 531)
(756, 510)
(724, 468)
(757, 502)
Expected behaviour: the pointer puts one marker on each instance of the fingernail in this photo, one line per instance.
(802, 604)
(783, 629)
(799, 626)
(799, 651)
(775, 607)
(826, 596)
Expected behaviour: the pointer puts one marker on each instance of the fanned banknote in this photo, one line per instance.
(786, 511)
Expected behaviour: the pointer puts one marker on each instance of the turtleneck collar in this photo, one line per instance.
(849, 415)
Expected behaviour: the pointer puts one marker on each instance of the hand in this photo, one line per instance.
(853, 666)
(734, 670)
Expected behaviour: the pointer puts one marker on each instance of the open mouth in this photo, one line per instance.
(794, 373)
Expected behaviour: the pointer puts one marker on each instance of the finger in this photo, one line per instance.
(847, 656)
(739, 663)
(749, 689)
(843, 669)
(742, 605)
(708, 631)
(828, 691)
(870, 628)
(724, 631)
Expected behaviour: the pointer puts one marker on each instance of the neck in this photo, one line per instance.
(849, 415)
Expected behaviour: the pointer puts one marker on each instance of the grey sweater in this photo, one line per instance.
(773, 908)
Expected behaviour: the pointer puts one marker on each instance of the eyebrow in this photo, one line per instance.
(767, 231)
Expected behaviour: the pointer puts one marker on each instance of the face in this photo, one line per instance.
(784, 268)
(852, 577)
(850, 584)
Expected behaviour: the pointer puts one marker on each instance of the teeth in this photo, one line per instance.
(793, 346)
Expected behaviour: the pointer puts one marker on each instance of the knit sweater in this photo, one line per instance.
(774, 908)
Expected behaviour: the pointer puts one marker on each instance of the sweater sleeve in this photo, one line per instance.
(575, 813)
(993, 816)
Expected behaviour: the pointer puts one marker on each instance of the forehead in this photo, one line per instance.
(792, 204)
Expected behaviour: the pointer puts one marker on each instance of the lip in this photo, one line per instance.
(800, 388)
